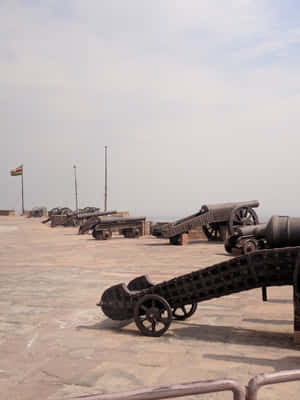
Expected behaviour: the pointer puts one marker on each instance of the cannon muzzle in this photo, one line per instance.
(282, 231)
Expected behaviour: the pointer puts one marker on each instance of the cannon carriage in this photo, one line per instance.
(153, 306)
(89, 220)
(66, 217)
(216, 220)
(129, 227)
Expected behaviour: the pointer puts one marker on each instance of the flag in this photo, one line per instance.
(17, 171)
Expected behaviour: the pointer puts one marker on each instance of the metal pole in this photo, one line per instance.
(105, 189)
(76, 195)
(22, 183)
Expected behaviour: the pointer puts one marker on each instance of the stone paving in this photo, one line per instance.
(55, 342)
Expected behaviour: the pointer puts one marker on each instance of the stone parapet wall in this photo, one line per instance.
(7, 213)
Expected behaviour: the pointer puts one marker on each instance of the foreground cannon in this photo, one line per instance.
(280, 231)
(129, 227)
(154, 306)
(216, 220)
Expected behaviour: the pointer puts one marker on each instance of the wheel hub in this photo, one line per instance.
(153, 313)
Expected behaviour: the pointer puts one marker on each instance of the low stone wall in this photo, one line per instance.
(197, 233)
(7, 213)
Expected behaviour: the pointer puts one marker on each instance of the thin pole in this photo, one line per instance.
(22, 183)
(76, 194)
(105, 189)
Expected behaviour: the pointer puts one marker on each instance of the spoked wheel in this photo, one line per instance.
(152, 315)
(250, 246)
(242, 216)
(212, 231)
(184, 312)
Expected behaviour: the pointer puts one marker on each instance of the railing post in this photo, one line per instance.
(268, 379)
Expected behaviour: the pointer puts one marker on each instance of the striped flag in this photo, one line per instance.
(17, 171)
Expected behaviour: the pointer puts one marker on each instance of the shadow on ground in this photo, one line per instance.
(281, 301)
(241, 336)
(207, 333)
(278, 364)
(107, 324)
(268, 321)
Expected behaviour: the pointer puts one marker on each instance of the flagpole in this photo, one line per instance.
(22, 182)
(76, 194)
(105, 188)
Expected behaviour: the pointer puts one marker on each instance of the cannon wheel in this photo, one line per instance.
(152, 315)
(66, 211)
(212, 231)
(249, 246)
(184, 312)
(242, 216)
(228, 246)
(102, 235)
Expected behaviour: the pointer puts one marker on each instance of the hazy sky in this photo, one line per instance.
(198, 102)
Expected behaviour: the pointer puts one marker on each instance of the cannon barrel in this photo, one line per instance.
(117, 219)
(95, 214)
(282, 231)
(258, 231)
(250, 203)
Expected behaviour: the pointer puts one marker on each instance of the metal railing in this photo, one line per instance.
(270, 378)
(178, 390)
(239, 392)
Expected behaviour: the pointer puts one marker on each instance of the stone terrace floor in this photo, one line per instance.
(55, 342)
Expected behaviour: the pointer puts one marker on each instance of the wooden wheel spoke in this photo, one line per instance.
(153, 325)
(163, 320)
(237, 220)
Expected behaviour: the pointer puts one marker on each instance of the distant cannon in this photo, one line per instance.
(66, 217)
(37, 212)
(57, 211)
(216, 220)
(280, 231)
(90, 220)
(129, 227)
(154, 306)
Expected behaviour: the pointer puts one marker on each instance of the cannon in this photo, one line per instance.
(38, 212)
(66, 217)
(90, 220)
(154, 306)
(216, 220)
(57, 211)
(129, 227)
(280, 231)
